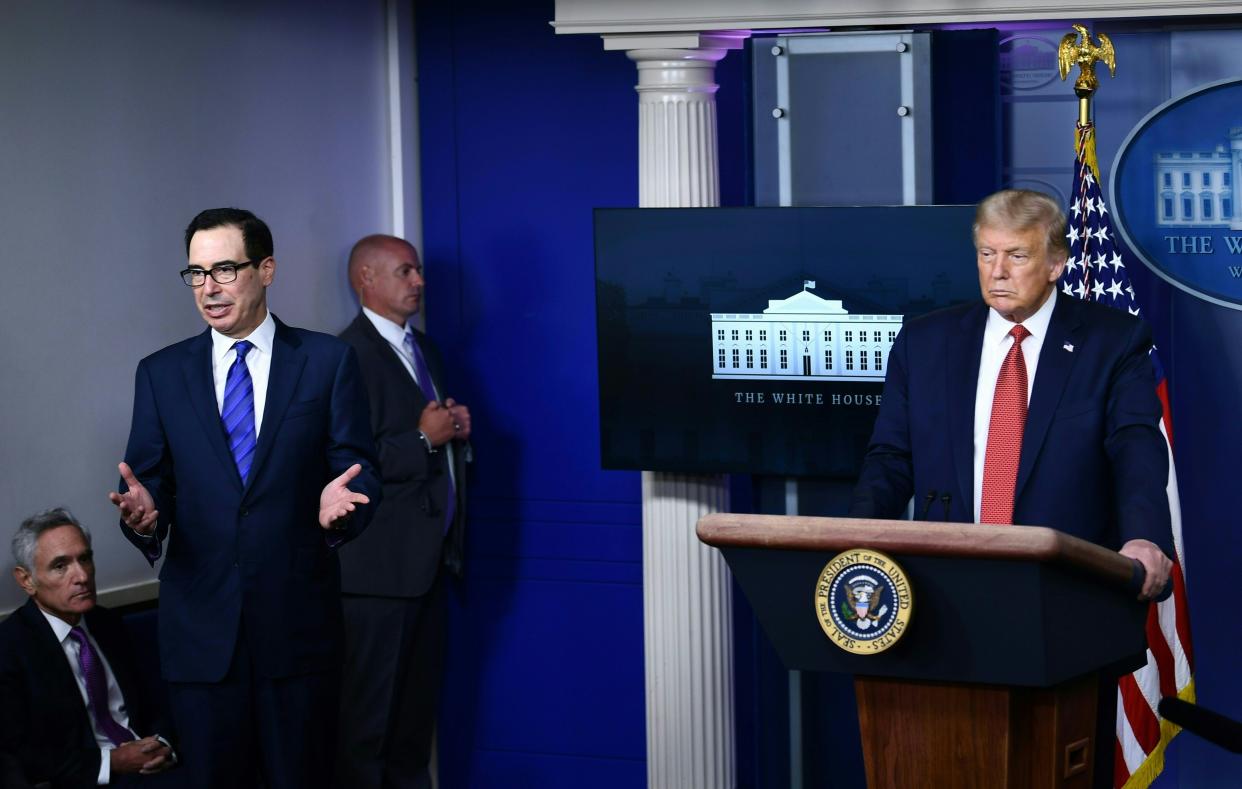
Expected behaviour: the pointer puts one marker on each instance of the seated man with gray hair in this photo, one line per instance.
(73, 713)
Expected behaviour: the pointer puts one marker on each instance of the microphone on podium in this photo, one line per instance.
(1211, 726)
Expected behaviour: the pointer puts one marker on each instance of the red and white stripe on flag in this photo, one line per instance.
(1096, 271)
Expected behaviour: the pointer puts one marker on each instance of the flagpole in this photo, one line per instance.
(1096, 257)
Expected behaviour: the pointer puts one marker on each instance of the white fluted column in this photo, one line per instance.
(687, 602)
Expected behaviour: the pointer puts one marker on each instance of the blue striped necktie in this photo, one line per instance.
(238, 411)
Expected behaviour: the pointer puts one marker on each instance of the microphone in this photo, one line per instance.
(1211, 726)
(927, 502)
(945, 498)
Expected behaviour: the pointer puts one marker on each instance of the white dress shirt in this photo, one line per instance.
(996, 345)
(258, 362)
(116, 702)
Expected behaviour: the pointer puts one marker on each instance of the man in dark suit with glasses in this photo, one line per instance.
(250, 458)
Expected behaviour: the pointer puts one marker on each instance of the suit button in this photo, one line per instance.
(245, 511)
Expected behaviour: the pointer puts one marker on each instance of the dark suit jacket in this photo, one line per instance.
(1093, 462)
(250, 555)
(45, 724)
(400, 552)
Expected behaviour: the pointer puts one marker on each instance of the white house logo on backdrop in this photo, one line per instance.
(1027, 62)
(1173, 191)
(1195, 188)
(803, 337)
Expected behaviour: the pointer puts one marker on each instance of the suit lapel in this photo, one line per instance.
(52, 657)
(288, 361)
(1055, 364)
(394, 367)
(196, 366)
(961, 355)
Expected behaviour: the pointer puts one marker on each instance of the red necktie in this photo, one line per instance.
(1000, 462)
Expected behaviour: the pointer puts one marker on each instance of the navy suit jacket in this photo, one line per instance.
(405, 544)
(45, 725)
(1094, 463)
(250, 560)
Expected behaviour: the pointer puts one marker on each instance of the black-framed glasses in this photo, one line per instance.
(223, 273)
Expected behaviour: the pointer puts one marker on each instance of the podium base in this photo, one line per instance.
(933, 734)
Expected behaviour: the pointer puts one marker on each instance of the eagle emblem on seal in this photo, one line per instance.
(863, 605)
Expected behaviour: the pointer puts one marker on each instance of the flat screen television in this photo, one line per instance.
(756, 339)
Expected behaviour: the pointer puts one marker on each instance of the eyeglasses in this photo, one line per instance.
(222, 273)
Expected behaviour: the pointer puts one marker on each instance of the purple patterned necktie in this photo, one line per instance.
(420, 366)
(238, 411)
(97, 689)
(429, 392)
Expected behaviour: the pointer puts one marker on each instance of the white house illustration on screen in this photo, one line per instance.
(802, 337)
(1195, 188)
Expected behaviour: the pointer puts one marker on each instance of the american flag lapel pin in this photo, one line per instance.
(1069, 346)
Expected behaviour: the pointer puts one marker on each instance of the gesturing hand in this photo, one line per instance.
(136, 505)
(338, 502)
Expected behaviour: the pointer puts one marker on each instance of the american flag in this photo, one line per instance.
(1096, 271)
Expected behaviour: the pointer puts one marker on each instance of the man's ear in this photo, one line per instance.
(267, 270)
(24, 580)
(1057, 268)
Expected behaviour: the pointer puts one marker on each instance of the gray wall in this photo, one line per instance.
(119, 121)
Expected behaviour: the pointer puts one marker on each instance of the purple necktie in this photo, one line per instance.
(429, 392)
(97, 689)
(238, 411)
(420, 367)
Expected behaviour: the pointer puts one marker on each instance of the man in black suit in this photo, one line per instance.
(391, 576)
(74, 714)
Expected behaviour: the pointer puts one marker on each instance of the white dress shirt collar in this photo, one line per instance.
(261, 338)
(394, 335)
(393, 332)
(998, 327)
(59, 626)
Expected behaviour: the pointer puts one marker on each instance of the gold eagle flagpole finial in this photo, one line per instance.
(1076, 48)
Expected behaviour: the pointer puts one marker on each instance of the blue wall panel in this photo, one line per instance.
(523, 134)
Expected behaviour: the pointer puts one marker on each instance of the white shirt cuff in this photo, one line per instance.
(105, 766)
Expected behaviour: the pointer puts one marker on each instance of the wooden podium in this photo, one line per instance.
(994, 682)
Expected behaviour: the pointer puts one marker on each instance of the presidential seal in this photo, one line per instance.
(863, 601)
